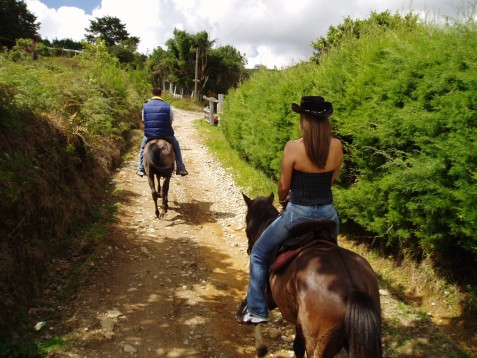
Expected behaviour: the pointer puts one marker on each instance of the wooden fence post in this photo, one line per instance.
(211, 100)
(219, 107)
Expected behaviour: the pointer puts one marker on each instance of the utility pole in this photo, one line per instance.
(196, 80)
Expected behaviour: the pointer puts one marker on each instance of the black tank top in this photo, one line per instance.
(311, 188)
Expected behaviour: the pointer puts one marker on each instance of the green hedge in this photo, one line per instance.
(406, 110)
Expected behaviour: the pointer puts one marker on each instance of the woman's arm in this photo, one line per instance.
(288, 162)
(337, 151)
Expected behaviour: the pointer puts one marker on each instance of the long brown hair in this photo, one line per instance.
(317, 137)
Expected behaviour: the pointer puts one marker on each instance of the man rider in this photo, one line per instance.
(157, 116)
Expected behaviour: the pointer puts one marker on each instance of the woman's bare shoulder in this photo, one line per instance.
(293, 144)
(335, 140)
(336, 143)
(293, 149)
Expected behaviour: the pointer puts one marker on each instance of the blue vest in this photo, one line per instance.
(157, 119)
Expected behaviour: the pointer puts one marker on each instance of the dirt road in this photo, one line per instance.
(170, 288)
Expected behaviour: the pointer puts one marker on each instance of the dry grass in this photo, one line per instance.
(423, 313)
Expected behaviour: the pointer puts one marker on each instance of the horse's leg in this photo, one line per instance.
(165, 192)
(319, 334)
(159, 190)
(299, 342)
(260, 347)
(155, 195)
(327, 345)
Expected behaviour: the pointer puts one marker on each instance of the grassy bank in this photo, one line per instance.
(64, 124)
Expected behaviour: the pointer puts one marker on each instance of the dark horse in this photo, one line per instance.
(159, 162)
(329, 293)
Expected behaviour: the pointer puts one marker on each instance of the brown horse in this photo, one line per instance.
(159, 162)
(329, 293)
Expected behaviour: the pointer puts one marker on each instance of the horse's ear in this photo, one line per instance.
(248, 201)
(271, 197)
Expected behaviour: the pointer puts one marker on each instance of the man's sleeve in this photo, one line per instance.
(171, 114)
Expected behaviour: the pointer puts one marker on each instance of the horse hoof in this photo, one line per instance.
(262, 351)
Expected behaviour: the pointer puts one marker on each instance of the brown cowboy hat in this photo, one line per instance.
(315, 106)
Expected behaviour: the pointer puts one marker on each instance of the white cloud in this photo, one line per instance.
(274, 33)
(65, 22)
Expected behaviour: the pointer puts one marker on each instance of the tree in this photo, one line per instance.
(177, 64)
(218, 69)
(16, 22)
(182, 56)
(67, 43)
(127, 53)
(117, 39)
(107, 28)
(158, 66)
(225, 70)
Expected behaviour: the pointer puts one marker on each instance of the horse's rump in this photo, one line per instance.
(326, 272)
(159, 157)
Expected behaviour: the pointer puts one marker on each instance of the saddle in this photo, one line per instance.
(302, 236)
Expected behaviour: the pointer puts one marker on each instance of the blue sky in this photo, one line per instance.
(274, 33)
(86, 5)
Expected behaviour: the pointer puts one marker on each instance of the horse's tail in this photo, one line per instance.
(363, 326)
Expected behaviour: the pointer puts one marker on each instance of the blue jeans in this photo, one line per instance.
(177, 150)
(274, 235)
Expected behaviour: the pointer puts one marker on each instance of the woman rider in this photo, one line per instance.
(310, 165)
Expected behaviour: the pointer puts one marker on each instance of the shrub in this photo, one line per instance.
(405, 108)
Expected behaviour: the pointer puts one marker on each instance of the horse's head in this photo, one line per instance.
(260, 213)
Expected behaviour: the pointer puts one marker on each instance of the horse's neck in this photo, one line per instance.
(266, 223)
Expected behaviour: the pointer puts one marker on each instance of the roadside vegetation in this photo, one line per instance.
(406, 110)
(64, 124)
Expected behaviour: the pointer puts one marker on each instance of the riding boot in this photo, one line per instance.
(181, 170)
